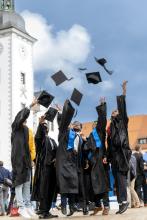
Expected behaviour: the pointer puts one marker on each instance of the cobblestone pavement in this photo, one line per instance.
(131, 214)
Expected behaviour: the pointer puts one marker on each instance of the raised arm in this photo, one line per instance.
(121, 104)
(40, 134)
(102, 116)
(22, 116)
(66, 117)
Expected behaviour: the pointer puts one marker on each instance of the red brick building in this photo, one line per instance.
(137, 130)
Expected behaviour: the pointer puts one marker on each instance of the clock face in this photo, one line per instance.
(1, 48)
(22, 51)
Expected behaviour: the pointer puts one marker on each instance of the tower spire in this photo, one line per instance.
(7, 5)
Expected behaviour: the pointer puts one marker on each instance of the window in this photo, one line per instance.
(23, 79)
(142, 141)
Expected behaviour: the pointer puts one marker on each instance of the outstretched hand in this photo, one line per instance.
(34, 102)
(102, 100)
(42, 119)
(58, 107)
(124, 86)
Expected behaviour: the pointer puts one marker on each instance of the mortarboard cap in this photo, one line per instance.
(102, 62)
(76, 97)
(82, 69)
(94, 77)
(51, 114)
(45, 99)
(60, 77)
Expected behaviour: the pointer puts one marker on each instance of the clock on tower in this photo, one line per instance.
(7, 5)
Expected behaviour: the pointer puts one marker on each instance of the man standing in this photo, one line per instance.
(97, 158)
(4, 174)
(140, 173)
(68, 159)
(22, 155)
(45, 174)
(119, 152)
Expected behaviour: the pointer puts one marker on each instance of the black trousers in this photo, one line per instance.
(121, 185)
(48, 188)
(139, 185)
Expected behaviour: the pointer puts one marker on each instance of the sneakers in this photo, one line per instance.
(31, 212)
(72, 209)
(23, 212)
(47, 216)
(85, 211)
(63, 210)
(122, 208)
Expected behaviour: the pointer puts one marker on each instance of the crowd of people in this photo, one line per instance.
(77, 167)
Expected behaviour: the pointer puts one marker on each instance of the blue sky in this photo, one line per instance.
(116, 30)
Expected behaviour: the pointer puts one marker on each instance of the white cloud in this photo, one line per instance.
(62, 50)
(107, 85)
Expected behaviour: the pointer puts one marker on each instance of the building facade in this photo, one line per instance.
(16, 73)
(137, 130)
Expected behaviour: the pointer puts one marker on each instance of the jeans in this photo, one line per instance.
(104, 197)
(63, 200)
(3, 197)
(23, 195)
(121, 186)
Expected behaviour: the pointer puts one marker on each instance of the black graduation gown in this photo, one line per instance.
(119, 152)
(66, 164)
(20, 153)
(46, 153)
(99, 179)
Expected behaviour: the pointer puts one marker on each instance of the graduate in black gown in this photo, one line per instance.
(22, 155)
(68, 159)
(119, 152)
(97, 159)
(45, 175)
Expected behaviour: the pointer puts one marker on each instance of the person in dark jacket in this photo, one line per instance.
(119, 151)
(145, 184)
(140, 173)
(21, 159)
(68, 159)
(4, 173)
(97, 158)
(132, 195)
(44, 187)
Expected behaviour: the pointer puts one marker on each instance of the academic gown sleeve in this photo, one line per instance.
(20, 118)
(66, 117)
(121, 105)
(39, 137)
(101, 124)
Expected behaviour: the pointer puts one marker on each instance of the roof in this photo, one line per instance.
(137, 129)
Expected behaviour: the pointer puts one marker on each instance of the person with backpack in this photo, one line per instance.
(4, 188)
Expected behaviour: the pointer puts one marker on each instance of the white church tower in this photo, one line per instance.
(16, 73)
